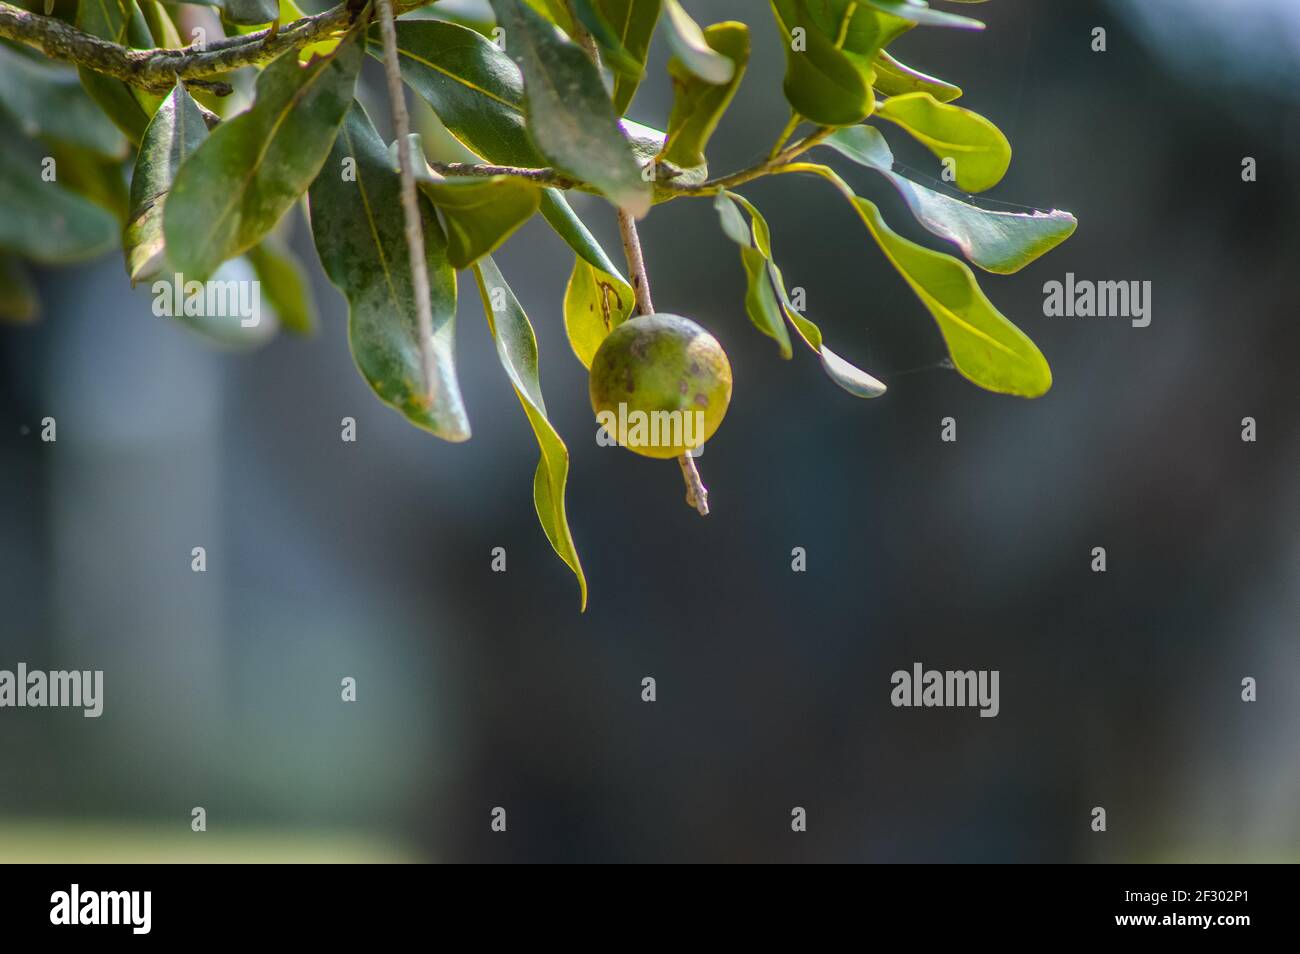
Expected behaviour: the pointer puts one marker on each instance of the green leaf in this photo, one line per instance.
(985, 347)
(252, 168)
(613, 53)
(981, 153)
(479, 214)
(597, 299)
(693, 50)
(175, 131)
(634, 23)
(246, 12)
(894, 78)
(285, 284)
(226, 329)
(1001, 242)
(920, 13)
(129, 109)
(760, 298)
(568, 113)
(852, 379)
(821, 82)
(697, 105)
(360, 237)
(476, 90)
(857, 30)
(102, 181)
(517, 348)
(48, 101)
(42, 220)
(18, 301)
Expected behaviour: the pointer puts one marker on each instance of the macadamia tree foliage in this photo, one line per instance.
(121, 131)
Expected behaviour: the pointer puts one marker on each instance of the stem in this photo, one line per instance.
(786, 133)
(157, 70)
(410, 202)
(697, 495)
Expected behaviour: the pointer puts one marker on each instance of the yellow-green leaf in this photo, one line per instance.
(697, 105)
(517, 348)
(978, 149)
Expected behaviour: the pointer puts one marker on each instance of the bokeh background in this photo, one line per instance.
(480, 689)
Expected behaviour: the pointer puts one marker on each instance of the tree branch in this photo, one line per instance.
(410, 200)
(157, 70)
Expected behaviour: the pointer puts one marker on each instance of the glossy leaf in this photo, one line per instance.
(251, 169)
(917, 11)
(697, 105)
(360, 237)
(517, 348)
(568, 113)
(42, 220)
(634, 23)
(821, 82)
(173, 134)
(48, 101)
(981, 153)
(476, 90)
(229, 329)
(18, 301)
(597, 299)
(760, 298)
(285, 285)
(860, 32)
(613, 54)
(479, 214)
(1001, 242)
(985, 347)
(895, 78)
(852, 379)
(693, 50)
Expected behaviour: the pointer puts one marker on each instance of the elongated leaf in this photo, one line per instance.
(597, 299)
(693, 50)
(130, 110)
(479, 214)
(41, 220)
(894, 78)
(284, 284)
(173, 134)
(249, 324)
(614, 55)
(478, 93)
(980, 151)
(697, 105)
(18, 301)
(360, 237)
(985, 347)
(49, 101)
(760, 298)
(859, 31)
(517, 348)
(852, 379)
(569, 116)
(476, 90)
(231, 192)
(821, 82)
(634, 23)
(1001, 242)
(919, 12)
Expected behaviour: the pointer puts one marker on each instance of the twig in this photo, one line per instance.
(410, 201)
(157, 70)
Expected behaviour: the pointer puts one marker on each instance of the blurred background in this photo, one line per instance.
(478, 689)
